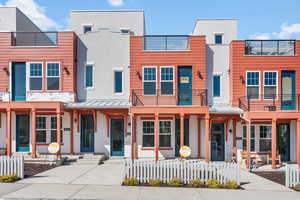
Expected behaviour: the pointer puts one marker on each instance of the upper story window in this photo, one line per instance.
(118, 88)
(270, 85)
(217, 86)
(166, 43)
(166, 80)
(149, 80)
(87, 28)
(89, 77)
(36, 76)
(53, 76)
(218, 38)
(270, 47)
(253, 82)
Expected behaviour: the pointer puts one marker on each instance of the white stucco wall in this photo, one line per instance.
(51, 96)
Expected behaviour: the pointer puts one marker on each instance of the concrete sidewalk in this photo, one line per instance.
(64, 191)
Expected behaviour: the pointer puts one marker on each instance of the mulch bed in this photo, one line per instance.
(277, 177)
(31, 169)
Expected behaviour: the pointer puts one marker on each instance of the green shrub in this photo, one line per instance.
(155, 182)
(297, 187)
(131, 181)
(9, 178)
(196, 183)
(213, 184)
(231, 185)
(175, 182)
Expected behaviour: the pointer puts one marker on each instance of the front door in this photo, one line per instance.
(288, 90)
(185, 86)
(22, 133)
(177, 135)
(18, 81)
(87, 133)
(117, 137)
(217, 142)
(283, 141)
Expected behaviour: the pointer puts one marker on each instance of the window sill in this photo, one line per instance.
(160, 148)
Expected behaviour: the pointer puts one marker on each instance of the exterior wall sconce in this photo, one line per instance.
(6, 71)
(242, 79)
(66, 70)
(199, 75)
(139, 75)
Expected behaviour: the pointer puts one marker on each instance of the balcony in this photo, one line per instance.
(166, 43)
(270, 47)
(271, 103)
(34, 39)
(194, 97)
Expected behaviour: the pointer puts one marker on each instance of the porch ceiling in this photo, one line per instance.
(272, 115)
(38, 105)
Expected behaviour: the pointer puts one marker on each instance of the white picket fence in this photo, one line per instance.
(292, 176)
(12, 165)
(187, 171)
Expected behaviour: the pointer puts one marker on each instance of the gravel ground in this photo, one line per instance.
(31, 169)
(277, 177)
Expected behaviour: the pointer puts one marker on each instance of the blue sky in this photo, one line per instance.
(263, 19)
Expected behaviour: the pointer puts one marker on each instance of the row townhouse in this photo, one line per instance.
(108, 88)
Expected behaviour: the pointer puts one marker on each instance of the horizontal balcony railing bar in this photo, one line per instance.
(270, 47)
(34, 39)
(270, 102)
(166, 42)
(161, 97)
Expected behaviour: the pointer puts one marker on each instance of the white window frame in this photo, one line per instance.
(173, 81)
(251, 138)
(147, 133)
(268, 138)
(29, 76)
(46, 129)
(259, 83)
(93, 71)
(264, 72)
(114, 80)
(156, 73)
(169, 134)
(46, 75)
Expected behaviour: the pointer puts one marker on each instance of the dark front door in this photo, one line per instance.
(117, 137)
(18, 81)
(217, 142)
(283, 141)
(87, 133)
(177, 135)
(288, 90)
(22, 133)
(185, 85)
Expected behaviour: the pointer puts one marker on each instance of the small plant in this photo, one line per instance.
(213, 184)
(231, 185)
(130, 181)
(155, 182)
(9, 178)
(175, 182)
(196, 183)
(297, 187)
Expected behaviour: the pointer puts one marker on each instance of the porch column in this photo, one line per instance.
(298, 142)
(181, 130)
(156, 136)
(33, 133)
(199, 136)
(133, 139)
(248, 143)
(8, 133)
(58, 131)
(207, 132)
(234, 137)
(71, 133)
(274, 148)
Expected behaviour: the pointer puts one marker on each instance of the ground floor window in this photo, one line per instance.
(165, 134)
(265, 138)
(46, 129)
(148, 133)
(252, 138)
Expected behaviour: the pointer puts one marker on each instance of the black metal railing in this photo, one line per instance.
(270, 47)
(167, 98)
(166, 42)
(269, 102)
(34, 39)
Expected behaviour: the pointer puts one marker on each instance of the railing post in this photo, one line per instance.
(248, 102)
(157, 91)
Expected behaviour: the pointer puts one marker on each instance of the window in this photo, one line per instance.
(53, 129)
(118, 82)
(253, 83)
(148, 133)
(149, 80)
(164, 133)
(270, 85)
(166, 80)
(41, 132)
(53, 76)
(87, 29)
(252, 138)
(265, 139)
(217, 86)
(89, 76)
(218, 38)
(36, 76)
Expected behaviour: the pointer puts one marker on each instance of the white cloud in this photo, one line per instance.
(35, 12)
(116, 2)
(286, 32)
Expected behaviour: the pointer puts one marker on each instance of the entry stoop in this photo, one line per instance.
(87, 159)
